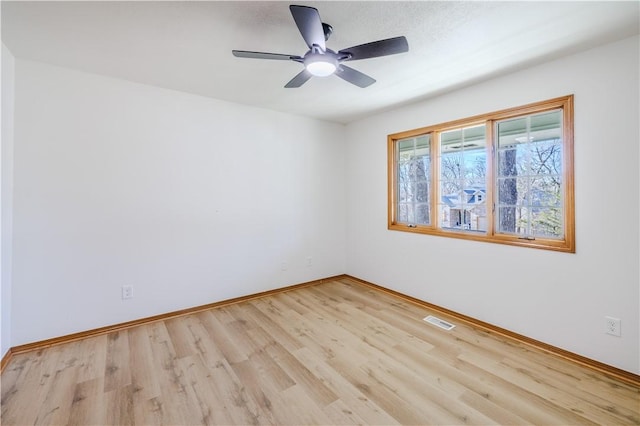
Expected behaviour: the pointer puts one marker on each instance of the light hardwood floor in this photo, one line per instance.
(333, 353)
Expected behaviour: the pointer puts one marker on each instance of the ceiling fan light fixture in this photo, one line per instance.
(320, 65)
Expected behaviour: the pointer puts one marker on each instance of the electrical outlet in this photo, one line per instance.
(127, 292)
(283, 266)
(612, 326)
(309, 261)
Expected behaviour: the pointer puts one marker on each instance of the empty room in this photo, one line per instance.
(329, 212)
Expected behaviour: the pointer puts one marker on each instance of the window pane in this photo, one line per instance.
(533, 222)
(423, 144)
(514, 160)
(508, 217)
(422, 192)
(546, 222)
(422, 214)
(406, 145)
(411, 216)
(547, 125)
(417, 170)
(529, 170)
(546, 157)
(463, 177)
(402, 213)
(545, 191)
(512, 132)
(410, 188)
(405, 150)
(476, 167)
(403, 182)
(414, 175)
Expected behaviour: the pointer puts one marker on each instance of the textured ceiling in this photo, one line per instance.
(187, 46)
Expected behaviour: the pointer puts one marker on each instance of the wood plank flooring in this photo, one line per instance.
(332, 353)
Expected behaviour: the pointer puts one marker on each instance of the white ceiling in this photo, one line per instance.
(187, 46)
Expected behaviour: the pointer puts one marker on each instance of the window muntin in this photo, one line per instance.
(504, 177)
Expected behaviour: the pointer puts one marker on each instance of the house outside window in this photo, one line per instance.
(503, 177)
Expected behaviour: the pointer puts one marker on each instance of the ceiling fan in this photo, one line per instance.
(319, 60)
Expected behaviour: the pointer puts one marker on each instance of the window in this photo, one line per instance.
(463, 178)
(414, 172)
(504, 177)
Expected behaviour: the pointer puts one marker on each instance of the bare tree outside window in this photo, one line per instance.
(508, 190)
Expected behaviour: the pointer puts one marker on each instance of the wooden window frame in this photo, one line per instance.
(566, 244)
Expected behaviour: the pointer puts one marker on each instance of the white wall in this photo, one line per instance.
(6, 155)
(188, 199)
(192, 200)
(558, 298)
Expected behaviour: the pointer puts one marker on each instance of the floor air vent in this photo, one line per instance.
(438, 322)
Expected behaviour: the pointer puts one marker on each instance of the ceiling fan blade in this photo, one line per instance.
(263, 55)
(299, 79)
(375, 49)
(354, 77)
(310, 26)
